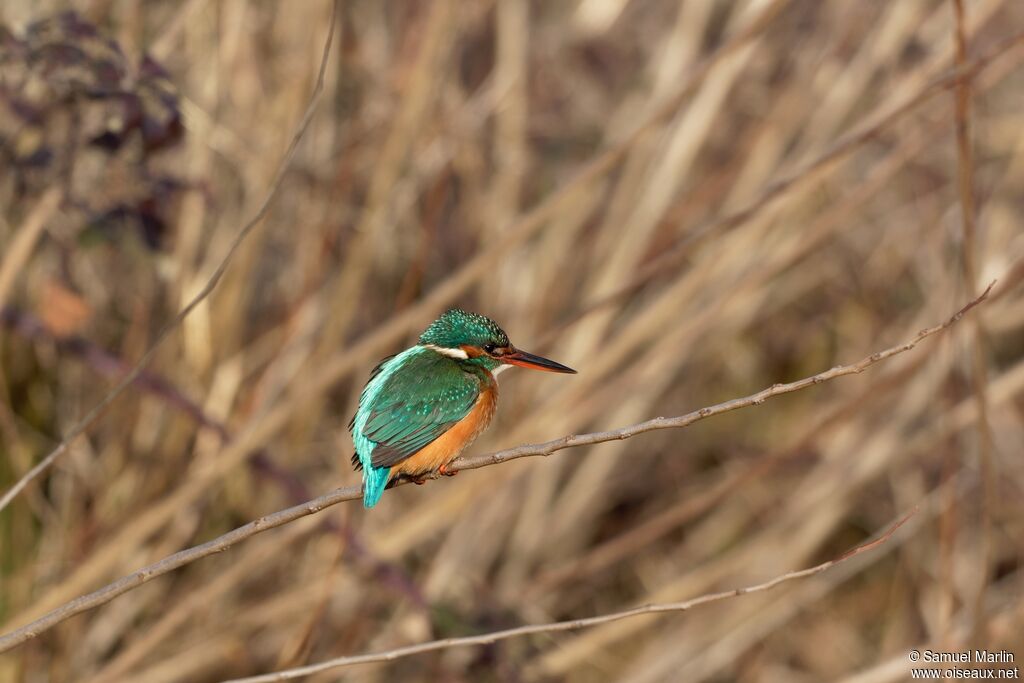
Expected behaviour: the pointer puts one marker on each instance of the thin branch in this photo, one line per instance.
(572, 625)
(222, 543)
(688, 419)
(94, 414)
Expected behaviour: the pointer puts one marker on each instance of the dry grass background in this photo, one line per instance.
(629, 186)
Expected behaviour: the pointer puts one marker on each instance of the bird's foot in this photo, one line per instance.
(443, 469)
(419, 480)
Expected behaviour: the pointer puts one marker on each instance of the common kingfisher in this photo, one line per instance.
(422, 407)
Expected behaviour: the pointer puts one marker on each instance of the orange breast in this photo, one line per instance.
(449, 445)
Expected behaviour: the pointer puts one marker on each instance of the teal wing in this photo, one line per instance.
(411, 403)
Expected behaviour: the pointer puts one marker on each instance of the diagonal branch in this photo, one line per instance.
(686, 420)
(571, 625)
(222, 543)
(94, 414)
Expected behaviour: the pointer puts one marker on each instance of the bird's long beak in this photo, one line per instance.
(528, 360)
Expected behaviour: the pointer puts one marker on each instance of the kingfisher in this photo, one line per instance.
(422, 407)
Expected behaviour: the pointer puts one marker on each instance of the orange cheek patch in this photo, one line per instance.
(472, 351)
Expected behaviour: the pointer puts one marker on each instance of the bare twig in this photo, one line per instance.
(571, 625)
(94, 414)
(688, 419)
(222, 543)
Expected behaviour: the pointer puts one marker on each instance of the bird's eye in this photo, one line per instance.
(490, 348)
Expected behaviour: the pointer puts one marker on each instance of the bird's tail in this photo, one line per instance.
(375, 480)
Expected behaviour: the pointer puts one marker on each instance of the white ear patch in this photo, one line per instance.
(451, 353)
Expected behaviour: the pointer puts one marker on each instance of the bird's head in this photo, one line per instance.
(477, 339)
